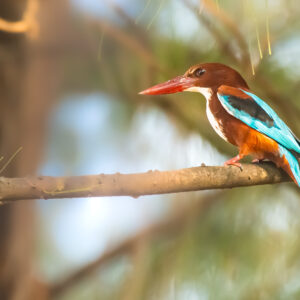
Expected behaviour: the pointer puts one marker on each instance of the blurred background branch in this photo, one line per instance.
(174, 223)
(28, 23)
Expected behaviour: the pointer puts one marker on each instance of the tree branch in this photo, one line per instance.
(26, 25)
(171, 224)
(149, 183)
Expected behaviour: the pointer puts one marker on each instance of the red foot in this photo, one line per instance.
(257, 161)
(234, 162)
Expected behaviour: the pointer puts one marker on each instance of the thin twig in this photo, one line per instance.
(133, 27)
(217, 34)
(10, 159)
(128, 41)
(232, 27)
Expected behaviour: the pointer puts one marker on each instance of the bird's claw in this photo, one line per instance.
(255, 161)
(236, 164)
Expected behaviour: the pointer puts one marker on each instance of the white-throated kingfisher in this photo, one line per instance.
(238, 116)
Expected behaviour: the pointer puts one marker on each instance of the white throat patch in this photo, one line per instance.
(207, 93)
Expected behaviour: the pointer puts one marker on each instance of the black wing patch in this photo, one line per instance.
(250, 107)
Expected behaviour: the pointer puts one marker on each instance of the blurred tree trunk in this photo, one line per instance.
(16, 221)
(27, 84)
(30, 78)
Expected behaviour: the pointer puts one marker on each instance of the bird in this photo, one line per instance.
(238, 116)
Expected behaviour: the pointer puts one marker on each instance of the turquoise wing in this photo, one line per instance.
(257, 114)
(293, 162)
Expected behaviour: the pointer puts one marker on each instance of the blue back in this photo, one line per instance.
(279, 131)
(276, 129)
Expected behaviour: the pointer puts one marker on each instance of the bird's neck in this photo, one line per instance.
(210, 95)
(213, 105)
(206, 92)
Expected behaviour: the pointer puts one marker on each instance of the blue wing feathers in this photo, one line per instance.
(290, 137)
(261, 117)
(293, 162)
(277, 131)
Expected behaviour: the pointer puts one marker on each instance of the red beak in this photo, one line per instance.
(178, 84)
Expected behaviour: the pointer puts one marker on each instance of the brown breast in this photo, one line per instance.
(228, 124)
(238, 133)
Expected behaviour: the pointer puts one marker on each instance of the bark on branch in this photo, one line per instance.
(149, 183)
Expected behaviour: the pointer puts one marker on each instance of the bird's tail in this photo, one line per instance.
(293, 164)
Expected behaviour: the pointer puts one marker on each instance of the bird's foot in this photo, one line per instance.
(237, 164)
(234, 162)
(257, 161)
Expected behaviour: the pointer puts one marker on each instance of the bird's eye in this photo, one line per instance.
(198, 72)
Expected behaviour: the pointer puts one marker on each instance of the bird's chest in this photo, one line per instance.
(217, 120)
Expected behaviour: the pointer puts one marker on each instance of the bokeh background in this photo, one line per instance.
(69, 97)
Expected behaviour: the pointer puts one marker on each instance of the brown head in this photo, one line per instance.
(200, 78)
